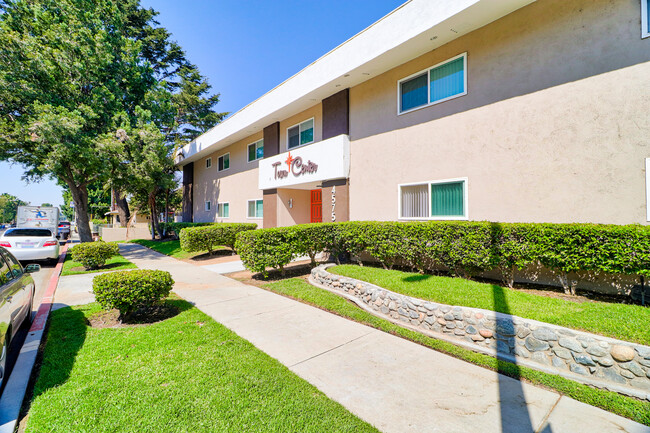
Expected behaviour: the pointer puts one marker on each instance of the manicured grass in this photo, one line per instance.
(115, 263)
(185, 374)
(170, 248)
(622, 321)
(634, 409)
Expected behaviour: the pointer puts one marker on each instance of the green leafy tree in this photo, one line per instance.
(73, 74)
(8, 207)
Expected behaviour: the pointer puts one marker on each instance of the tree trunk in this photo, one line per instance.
(154, 215)
(122, 208)
(80, 197)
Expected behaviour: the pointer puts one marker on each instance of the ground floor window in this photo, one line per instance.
(223, 210)
(208, 206)
(256, 208)
(446, 199)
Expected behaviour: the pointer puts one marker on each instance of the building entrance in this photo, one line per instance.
(316, 206)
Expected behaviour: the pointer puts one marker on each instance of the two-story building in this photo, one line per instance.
(508, 110)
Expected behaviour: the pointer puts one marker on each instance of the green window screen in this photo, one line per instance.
(252, 155)
(307, 132)
(447, 199)
(259, 208)
(448, 80)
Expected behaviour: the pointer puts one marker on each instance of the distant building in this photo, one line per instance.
(506, 110)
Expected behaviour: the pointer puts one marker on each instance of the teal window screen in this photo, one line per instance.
(647, 16)
(448, 80)
(224, 162)
(413, 93)
(448, 199)
(256, 209)
(301, 134)
(256, 151)
(224, 210)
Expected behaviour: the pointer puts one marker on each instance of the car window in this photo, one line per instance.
(15, 270)
(5, 271)
(28, 233)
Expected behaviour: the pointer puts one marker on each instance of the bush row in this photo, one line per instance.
(129, 290)
(174, 229)
(206, 238)
(93, 255)
(464, 248)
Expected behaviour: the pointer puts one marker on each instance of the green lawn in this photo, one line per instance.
(170, 248)
(115, 263)
(628, 407)
(185, 374)
(622, 321)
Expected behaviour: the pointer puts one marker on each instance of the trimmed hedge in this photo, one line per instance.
(174, 229)
(194, 239)
(93, 255)
(129, 290)
(465, 248)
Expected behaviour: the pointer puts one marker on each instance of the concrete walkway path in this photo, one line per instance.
(394, 384)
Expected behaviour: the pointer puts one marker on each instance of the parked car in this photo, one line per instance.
(31, 244)
(64, 230)
(16, 301)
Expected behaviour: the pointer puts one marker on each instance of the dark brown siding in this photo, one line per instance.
(188, 193)
(341, 206)
(336, 114)
(272, 140)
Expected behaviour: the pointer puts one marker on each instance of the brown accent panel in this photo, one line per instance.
(336, 114)
(188, 192)
(272, 140)
(270, 205)
(339, 208)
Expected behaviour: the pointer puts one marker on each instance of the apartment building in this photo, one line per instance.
(508, 110)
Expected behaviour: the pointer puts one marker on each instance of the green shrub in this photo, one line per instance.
(463, 247)
(194, 239)
(98, 221)
(174, 229)
(93, 255)
(129, 290)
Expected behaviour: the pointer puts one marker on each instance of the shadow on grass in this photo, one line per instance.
(65, 336)
(416, 278)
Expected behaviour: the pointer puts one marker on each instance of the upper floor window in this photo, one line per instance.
(256, 151)
(301, 134)
(446, 199)
(645, 18)
(224, 162)
(208, 163)
(208, 206)
(442, 82)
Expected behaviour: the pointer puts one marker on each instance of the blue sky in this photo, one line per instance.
(244, 47)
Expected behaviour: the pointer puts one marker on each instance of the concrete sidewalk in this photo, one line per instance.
(394, 384)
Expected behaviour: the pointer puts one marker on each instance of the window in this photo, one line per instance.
(224, 162)
(645, 18)
(445, 199)
(16, 269)
(440, 83)
(208, 163)
(255, 208)
(208, 206)
(223, 210)
(301, 134)
(256, 151)
(5, 272)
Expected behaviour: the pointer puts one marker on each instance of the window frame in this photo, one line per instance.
(261, 140)
(645, 20)
(219, 207)
(313, 119)
(222, 156)
(429, 183)
(207, 206)
(208, 163)
(254, 200)
(427, 71)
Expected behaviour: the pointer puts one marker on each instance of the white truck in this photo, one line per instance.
(38, 216)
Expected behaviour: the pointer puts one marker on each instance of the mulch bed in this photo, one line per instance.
(142, 317)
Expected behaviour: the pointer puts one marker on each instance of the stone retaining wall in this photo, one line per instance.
(599, 361)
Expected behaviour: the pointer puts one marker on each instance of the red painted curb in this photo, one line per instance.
(46, 301)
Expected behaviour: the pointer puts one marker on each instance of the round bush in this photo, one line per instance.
(93, 255)
(129, 290)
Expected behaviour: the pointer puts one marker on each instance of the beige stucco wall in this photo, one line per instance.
(554, 127)
(316, 112)
(236, 185)
(300, 213)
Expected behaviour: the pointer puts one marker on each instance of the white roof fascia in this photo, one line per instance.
(413, 29)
